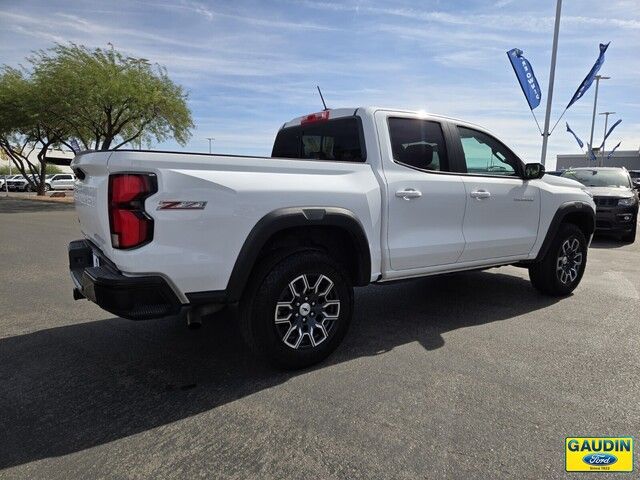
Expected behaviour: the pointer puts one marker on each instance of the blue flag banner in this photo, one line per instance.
(588, 80)
(611, 130)
(574, 135)
(613, 150)
(526, 77)
(590, 155)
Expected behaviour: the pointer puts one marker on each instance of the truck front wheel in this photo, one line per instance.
(561, 269)
(296, 309)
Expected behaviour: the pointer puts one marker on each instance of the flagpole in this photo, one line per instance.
(534, 117)
(552, 74)
(606, 121)
(604, 138)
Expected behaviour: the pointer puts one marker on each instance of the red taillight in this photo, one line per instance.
(315, 117)
(130, 225)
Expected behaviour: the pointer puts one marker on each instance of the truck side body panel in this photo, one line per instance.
(196, 249)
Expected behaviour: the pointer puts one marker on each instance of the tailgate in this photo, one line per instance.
(91, 190)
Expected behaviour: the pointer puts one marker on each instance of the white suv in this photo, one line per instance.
(61, 181)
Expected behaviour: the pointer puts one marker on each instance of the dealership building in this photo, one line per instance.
(630, 159)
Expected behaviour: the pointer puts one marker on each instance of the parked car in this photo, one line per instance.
(635, 178)
(615, 198)
(349, 197)
(7, 178)
(18, 184)
(61, 181)
(58, 181)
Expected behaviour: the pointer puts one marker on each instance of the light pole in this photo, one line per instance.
(595, 102)
(552, 74)
(210, 139)
(606, 121)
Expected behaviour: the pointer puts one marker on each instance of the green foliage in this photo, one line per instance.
(109, 99)
(49, 170)
(100, 97)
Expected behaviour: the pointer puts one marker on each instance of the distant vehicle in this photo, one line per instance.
(349, 197)
(615, 198)
(7, 178)
(58, 181)
(18, 184)
(635, 178)
(61, 181)
(555, 173)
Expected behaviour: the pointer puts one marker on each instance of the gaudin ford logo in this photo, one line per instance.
(599, 454)
(599, 459)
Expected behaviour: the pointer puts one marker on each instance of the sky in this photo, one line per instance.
(249, 66)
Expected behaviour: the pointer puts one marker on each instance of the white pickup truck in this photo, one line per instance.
(349, 197)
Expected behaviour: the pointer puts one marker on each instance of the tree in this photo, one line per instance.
(28, 125)
(100, 97)
(109, 100)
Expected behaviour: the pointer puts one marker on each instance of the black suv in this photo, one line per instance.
(615, 198)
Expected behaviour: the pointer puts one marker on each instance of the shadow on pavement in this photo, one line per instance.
(602, 241)
(71, 388)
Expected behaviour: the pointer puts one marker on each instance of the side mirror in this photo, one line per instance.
(533, 171)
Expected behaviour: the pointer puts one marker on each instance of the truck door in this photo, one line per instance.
(503, 210)
(426, 202)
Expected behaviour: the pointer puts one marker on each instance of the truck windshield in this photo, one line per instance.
(337, 140)
(599, 178)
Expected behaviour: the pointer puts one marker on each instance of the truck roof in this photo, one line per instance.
(370, 110)
(332, 114)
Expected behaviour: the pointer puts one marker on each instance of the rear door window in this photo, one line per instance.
(418, 144)
(335, 140)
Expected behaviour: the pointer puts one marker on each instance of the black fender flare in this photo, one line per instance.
(565, 209)
(285, 218)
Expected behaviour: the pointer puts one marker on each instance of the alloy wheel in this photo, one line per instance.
(307, 311)
(569, 260)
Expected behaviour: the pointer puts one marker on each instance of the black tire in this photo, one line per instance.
(46, 187)
(270, 288)
(631, 236)
(546, 276)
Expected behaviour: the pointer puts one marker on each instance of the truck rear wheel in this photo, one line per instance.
(561, 269)
(297, 309)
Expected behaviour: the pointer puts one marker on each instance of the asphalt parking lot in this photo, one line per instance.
(471, 375)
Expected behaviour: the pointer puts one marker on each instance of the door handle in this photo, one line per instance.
(480, 194)
(408, 193)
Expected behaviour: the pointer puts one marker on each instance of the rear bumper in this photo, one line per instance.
(135, 298)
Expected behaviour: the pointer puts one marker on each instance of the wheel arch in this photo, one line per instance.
(324, 228)
(577, 213)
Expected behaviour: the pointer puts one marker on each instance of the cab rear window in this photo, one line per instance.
(335, 140)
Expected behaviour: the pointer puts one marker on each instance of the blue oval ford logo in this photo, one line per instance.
(599, 459)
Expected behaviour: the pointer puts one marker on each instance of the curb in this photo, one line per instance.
(68, 200)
